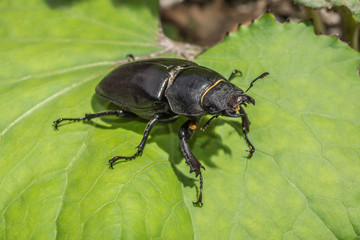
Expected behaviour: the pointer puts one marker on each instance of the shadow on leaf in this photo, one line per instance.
(203, 144)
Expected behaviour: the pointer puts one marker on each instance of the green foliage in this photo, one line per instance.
(353, 5)
(302, 182)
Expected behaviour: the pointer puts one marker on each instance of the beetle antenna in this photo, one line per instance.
(259, 77)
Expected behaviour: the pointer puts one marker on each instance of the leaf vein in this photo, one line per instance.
(168, 216)
(50, 98)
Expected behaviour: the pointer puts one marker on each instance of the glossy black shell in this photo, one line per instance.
(139, 87)
(169, 86)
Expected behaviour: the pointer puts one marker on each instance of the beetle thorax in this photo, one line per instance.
(222, 97)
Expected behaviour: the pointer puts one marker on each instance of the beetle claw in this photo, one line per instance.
(198, 203)
(251, 151)
(111, 164)
(56, 123)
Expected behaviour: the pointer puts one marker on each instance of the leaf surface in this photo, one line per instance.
(302, 182)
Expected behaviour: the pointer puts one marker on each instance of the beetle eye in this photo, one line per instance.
(239, 100)
(234, 102)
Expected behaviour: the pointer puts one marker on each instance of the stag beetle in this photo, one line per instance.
(161, 90)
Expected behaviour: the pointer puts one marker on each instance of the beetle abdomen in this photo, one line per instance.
(139, 87)
(134, 85)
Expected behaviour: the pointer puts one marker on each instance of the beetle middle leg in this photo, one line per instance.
(206, 125)
(141, 146)
(185, 133)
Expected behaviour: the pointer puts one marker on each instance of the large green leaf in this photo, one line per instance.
(302, 183)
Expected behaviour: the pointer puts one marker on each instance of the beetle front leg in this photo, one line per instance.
(206, 125)
(245, 127)
(141, 146)
(88, 116)
(233, 73)
(185, 133)
(130, 57)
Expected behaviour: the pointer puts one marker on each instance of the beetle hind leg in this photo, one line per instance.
(185, 133)
(141, 146)
(88, 117)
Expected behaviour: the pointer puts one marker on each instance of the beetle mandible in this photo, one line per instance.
(161, 90)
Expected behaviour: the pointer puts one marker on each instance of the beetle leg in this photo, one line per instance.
(206, 125)
(185, 133)
(141, 146)
(88, 117)
(233, 74)
(245, 127)
(130, 57)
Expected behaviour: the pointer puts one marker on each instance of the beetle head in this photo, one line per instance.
(234, 103)
(225, 99)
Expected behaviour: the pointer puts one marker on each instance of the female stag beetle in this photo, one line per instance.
(160, 90)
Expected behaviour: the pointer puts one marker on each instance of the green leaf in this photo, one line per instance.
(353, 5)
(302, 182)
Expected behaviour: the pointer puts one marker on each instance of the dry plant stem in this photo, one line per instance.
(351, 28)
(319, 27)
(152, 55)
(356, 38)
(188, 51)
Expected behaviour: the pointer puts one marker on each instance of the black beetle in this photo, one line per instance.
(160, 90)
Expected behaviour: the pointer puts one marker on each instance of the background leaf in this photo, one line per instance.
(353, 5)
(302, 183)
